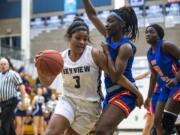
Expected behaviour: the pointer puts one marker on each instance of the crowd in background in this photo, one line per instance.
(39, 104)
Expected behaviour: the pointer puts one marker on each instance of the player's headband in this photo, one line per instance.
(117, 16)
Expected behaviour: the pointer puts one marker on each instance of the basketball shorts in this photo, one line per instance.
(174, 92)
(152, 106)
(125, 100)
(20, 113)
(81, 114)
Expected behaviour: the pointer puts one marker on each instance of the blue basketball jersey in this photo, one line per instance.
(159, 85)
(113, 49)
(38, 108)
(165, 65)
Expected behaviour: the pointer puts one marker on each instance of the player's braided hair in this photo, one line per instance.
(131, 23)
(77, 25)
(159, 30)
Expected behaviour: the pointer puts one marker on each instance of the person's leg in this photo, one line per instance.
(70, 131)
(41, 125)
(23, 124)
(18, 125)
(172, 109)
(109, 120)
(158, 117)
(8, 119)
(1, 132)
(57, 125)
(62, 117)
(119, 107)
(149, 128)
(177, 124)
(35, 124)
(148, 124)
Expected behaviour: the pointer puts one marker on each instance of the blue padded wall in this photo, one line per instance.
(10, 9)
(44, 6)
(13, 9)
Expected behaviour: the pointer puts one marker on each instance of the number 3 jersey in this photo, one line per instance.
(81, 79)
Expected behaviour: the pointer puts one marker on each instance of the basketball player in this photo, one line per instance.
(149, 114)
(163, 59)
(38, 105)
(20, 113)
(50, 107)
(151, 108)
(78, 109)
(121, 27)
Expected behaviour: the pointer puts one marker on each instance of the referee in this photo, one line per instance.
(10, 81)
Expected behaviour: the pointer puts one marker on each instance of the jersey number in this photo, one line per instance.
(77, 78)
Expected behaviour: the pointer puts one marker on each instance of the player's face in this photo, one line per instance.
(53, 97)
(78, 41)
(151, 35)
(4, 65)
(39, 91)
(114, 26)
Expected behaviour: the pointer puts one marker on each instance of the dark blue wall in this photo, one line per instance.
(13, 9)
(42, 6)
(10, 9)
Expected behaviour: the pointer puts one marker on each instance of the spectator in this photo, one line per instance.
(9, 82)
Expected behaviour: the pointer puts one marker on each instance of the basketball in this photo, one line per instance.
(50, 62)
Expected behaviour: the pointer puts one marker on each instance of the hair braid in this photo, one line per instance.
(129, 16)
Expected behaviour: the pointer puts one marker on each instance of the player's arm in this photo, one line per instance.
(142, 76)
(33, 102)
(117, 68)
(153, 79)
(172, 50)
(101, 61)
(21, 88)
(92, 15)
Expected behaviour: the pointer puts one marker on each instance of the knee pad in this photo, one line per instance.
(168, 122)
(153, 131)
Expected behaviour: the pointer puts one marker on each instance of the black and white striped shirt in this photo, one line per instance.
(8, 85)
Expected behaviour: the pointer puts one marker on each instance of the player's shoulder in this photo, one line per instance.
(12, 72)
(63, 53)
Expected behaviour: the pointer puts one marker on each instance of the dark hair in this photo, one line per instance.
(10, 63)
(159, 30)
(77, 25)
(129, 16)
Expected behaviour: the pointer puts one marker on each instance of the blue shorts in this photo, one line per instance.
(166, 93)
(20, 113)
(175, 93)
(125, 100)
(154, 101)
(37, 112)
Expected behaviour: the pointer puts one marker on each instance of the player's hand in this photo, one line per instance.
(139, 100)
(37, 56)
(23, 105)
(171, 83)
(147, 102)
(105, 48)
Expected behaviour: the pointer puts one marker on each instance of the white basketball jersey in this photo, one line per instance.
(81, 78)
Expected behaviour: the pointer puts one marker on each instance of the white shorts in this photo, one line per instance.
(81, 114)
